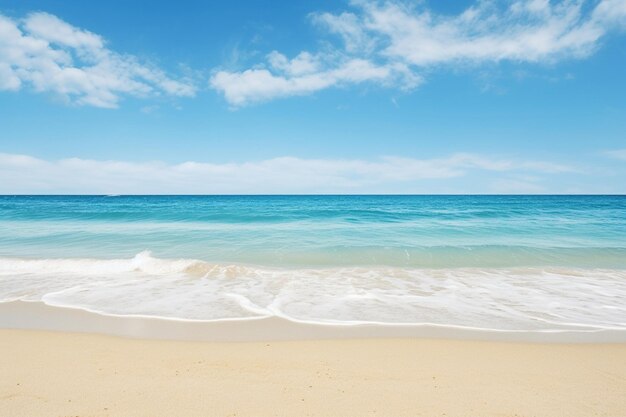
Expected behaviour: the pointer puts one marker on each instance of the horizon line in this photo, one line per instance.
(326, 195)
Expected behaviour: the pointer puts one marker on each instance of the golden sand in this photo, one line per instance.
(69, 374)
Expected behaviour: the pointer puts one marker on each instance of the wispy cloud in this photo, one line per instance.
(392, 42)
(389, 43)
(617, 154)
(27, 174)
(518, 184)
(44, 52)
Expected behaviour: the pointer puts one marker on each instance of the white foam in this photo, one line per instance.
(518, 299)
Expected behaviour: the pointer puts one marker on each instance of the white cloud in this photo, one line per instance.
(349, 27)
(303, 76)
(528, 31)
(393, 42)
(304, 63)
(50, 55)
(25, 174)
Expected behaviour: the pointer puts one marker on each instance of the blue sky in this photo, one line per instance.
(313, 97)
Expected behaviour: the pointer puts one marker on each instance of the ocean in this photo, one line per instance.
(509, 263)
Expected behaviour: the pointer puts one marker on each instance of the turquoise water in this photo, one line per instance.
(498, 262)
(419, 231)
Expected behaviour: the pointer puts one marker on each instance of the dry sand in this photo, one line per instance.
(46, 373)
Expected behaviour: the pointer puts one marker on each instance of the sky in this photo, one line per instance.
(308, 97)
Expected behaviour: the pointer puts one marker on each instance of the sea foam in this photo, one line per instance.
(519, 299)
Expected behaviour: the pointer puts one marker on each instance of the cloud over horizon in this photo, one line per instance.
(390, 43)
(49, 55)
(26, 174)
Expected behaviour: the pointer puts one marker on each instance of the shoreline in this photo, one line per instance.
(89, 375)
(35, 315)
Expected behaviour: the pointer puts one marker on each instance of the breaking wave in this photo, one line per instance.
(514, 299)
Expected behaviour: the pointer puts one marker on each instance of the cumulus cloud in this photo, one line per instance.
(298, 77)
(49, 55)
(393, 42)
(25, 174)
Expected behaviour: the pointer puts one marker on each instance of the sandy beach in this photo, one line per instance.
(392, 208)
(70, 374)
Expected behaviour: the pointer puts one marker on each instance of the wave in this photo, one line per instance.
(311, 254)
(542, 299)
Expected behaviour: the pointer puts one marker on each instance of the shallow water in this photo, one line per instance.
(491, 262)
